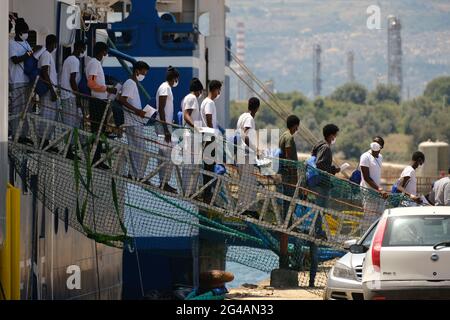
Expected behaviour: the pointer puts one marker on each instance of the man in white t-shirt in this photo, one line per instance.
(164, 102)
(192, 145)
(99, 91)
(247, 151)
(48, 101)
(208, 114)
(407, 183)
(164, 105)
(371, 163)
(134, 116)
(440, 193)
(19, 87)
(70, 77)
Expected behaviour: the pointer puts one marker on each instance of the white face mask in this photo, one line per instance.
(82, 55)
(24, 36)
(103, 59)
(140, 77)
(53, 51)
(333, 142)
(217, 98)
(175, 84)
(374, 146)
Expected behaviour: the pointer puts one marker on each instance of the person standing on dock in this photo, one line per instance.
(407, 183)
(371, 163)
(208, 114)
(164, 105)
(246, 130)
(440, 193)
(134, 116)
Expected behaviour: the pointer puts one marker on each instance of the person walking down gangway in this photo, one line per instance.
(97, 84)
(164, 105)
(192, 143)
(49, 109)
(135, 117)
(208, 113)
(247, 151)
(19, 87)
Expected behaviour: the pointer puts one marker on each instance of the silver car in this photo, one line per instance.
(344, 279)
(409, 257)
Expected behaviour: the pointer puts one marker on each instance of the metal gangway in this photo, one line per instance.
(92, 189)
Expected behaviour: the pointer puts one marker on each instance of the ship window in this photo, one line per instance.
(177, 37)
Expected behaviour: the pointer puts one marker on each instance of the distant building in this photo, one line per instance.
(245, 86)
(350, 66)
(269, 86)
(395, 73)
(317, 66)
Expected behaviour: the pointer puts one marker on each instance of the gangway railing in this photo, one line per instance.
(92, 176)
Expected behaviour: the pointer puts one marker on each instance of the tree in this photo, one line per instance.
(350, 92)
(319, 103)
(299, 101)
(385, 92)
(438, 90)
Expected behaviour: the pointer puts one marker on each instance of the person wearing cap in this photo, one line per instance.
(164, 105)
(371, 163)
(192, 120)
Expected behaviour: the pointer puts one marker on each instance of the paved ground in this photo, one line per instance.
(262, 291)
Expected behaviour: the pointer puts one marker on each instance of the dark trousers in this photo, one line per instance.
(207, 193)
(97, 108)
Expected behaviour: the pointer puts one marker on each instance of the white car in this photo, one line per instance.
(409, 257)
(344, 279)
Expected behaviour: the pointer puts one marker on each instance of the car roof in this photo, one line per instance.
(417, 211)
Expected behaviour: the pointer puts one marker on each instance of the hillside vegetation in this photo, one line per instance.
(403, 125)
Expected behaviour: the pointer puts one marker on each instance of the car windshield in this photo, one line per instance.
(368, 239)
(417, 231)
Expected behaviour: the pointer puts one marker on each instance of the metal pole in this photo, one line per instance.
(4, 39)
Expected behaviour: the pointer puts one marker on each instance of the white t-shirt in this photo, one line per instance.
(245, 121)
(71, 65)
(131, 91)
(16, 73)
(95, 68)
(374, 165)
(411, 186)
(46, 59)
(209, 107)
(165, 90)
(190, 102)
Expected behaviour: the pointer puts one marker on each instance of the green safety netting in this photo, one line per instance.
(115, 181)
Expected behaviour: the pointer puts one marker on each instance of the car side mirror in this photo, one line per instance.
(358, 249)
(349, 243)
